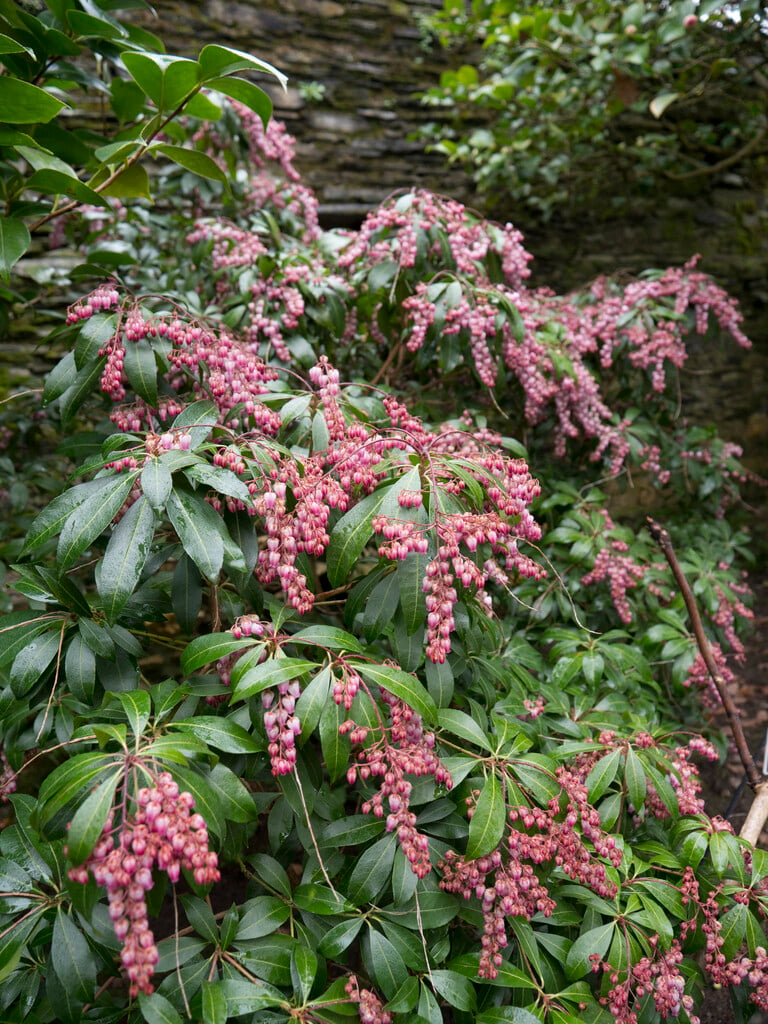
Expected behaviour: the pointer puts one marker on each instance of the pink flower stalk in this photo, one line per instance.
(370, 1008)
(404, 749)
(282, 726)
(163, 832)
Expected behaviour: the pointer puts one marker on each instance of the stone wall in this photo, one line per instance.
(353, 145)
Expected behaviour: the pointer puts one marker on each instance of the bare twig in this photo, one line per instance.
(758, 812)
(662, 538)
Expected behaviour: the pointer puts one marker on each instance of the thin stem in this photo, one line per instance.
(662, 538)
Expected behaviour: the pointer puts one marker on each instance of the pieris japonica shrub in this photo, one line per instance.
(325, 699)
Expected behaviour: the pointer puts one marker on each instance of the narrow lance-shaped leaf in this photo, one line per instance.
(487, 825)
(92, 518)
(14, 242)
(199, 529)
(125, 556)
(88, 821)
(401, 684)
(73, 962)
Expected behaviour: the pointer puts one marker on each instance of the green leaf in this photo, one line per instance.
(18, 629)
(303, 971)
(49, 522)
(69, 780)
(92, 517)
(335, 747)
(270, 958)
(33, 661)
(269, 673)
(219, 733)
(13, 940)
(71, 957)
(140, 367)
(214, 1003)
(401, 684)
(487, 825)
(456, 990)
(245, 997)
(384, 963)
(329, 637)
(137, 708)
(130, 183)
(195, 161)
(314, 697)
(199, 528)
(125, 556)
(215, 60)
(88, 821)
(271, 873)
(340, 937)
(319, 899)
(14, 241)
(23, 103)
(80, 669)
(594, 942)
(634, 779)
(94, 334)
(602, 774)
(245, 92)
(350, 535)
(186, 593)
(204, 650)
(372, 871)
(263, 915)
(157, 1010)
(200, 916)
(73, 399)
(507, 1015)
(460, 724)
(234, 799)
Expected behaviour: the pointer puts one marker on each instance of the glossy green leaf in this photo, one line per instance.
(384, 963)
(18, 629)
(156, 1009)
(92, 517)
(199, 529)
(594, 942)
(487, 825)
(71, 957)
(401, 684)
(329, 637)
(23, 103)
(195, 161)
(205, 650)
(93, 335)
(137, 709)
(263, 915)
(456, 990)
(339, 937)
(245, 92)
(80, 669)
(319, 899)
(33, 661)
(125, 556)
(200, 916)
(140, 367)
(634, 779)
(88, 821)
(602, 774)
(215, 60)
(267, 674)
(49, 522)
(304, 964)
(14, 240)
(214, 1003)
(350, 535)
(70, 780)
(459, 723)
(372, 871)
(219, 733)
(334, 746)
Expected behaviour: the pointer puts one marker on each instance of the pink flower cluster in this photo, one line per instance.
(370, 1009)
(282, 726)
(403, 749)
(163, 832)
(657, 975)
(619, 569)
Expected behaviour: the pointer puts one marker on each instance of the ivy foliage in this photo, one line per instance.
(325, 697)
(557, 105)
